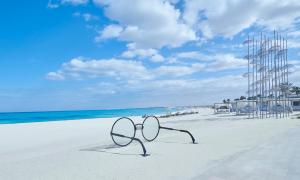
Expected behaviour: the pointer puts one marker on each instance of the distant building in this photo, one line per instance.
(243, 106)
(222, 108)
(295, 102)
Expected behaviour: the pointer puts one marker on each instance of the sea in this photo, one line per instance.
(29, 117)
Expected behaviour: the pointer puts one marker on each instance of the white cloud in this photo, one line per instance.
(229, 17)
(130, 70)
(178, 71)
(150, 53)
(78, 68)
(293, 38)
(143, 53)
(149, 24)
(171, 92)
(194, 55)
(294, 77)
(295, 33)
(118, 69)
(117, 77)
(226, 61)
(293, 43)
(173, 1)
(157, 58)
(110, 31)
(74, 2)
(86, 16)
(52, 4)
(214, 62)
(55, 76)
(103, 88)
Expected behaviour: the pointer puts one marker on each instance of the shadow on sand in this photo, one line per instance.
(108, 148)
(175, 142)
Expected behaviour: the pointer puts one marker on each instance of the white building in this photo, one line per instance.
(222, 108)
(295, 102)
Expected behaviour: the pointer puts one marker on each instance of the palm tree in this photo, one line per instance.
(296, 90)
(285, 88)
(271, 96)
(242, 98)
(252, 98)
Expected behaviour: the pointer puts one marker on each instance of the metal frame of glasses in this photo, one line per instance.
(124, 130)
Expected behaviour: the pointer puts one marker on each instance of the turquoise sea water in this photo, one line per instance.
(26, 117)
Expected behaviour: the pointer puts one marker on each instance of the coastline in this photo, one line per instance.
(46, 116)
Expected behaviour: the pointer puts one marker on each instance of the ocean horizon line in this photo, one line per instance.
(68, 110)
(45, 116)
(104, 109)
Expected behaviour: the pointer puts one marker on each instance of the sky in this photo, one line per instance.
(104, 54)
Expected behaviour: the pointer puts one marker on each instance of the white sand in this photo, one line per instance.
(229, 147)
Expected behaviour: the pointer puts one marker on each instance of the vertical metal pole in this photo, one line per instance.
(248, 76)
(265, 76)
(282, 77)
(275, 43)
(269, 80)
(285, 79)
(253, 81)
(260, 76)
(256, 88)
(287, 74)
(278, 73)
(272, 77)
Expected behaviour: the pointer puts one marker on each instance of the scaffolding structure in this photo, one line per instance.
(268, 76)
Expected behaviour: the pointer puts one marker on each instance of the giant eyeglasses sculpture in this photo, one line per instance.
(123, 131)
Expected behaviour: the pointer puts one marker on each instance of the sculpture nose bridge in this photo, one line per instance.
(139, 126)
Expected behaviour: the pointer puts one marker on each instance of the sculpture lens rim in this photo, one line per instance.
(144, 127)
(112, 136)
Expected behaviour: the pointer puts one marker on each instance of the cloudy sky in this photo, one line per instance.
(102, 54)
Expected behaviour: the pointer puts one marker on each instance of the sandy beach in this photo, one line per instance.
(228, 147)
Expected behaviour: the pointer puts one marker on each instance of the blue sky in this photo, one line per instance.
(102, 54)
